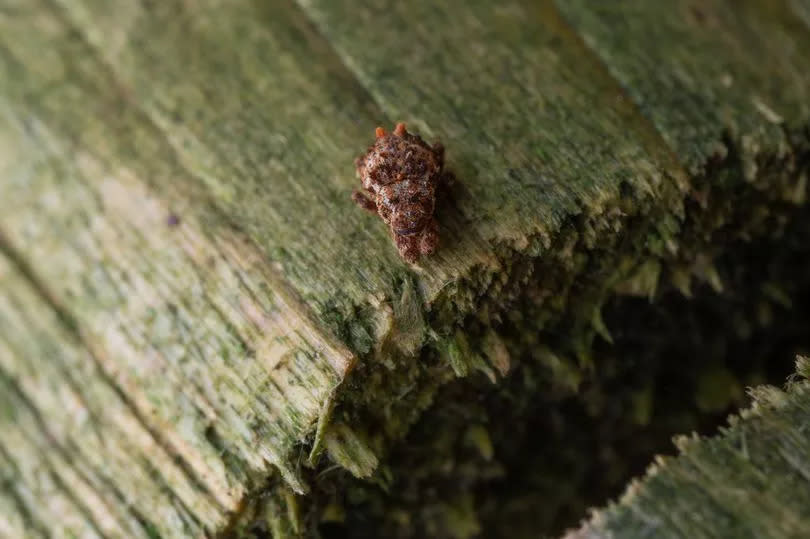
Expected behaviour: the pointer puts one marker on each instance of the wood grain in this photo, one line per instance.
(188, 284)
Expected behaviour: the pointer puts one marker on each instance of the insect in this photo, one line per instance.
(400, 173)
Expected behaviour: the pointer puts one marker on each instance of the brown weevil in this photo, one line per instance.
(400, 173)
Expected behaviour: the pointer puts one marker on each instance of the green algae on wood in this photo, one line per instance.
(713, 77)
(162, 153)
(175, 181)
(71, 436)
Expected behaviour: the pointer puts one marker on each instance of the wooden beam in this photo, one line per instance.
(175, 214)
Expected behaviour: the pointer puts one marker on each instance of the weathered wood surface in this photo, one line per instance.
(752, 480)
(182, 247)
(709, 72)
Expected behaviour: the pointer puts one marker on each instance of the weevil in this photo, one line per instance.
(400, 174)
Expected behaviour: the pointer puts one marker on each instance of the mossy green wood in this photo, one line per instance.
(714, 77)
(283, 93)
(513, 95)
(697, 79)
(73, 452)
(751, 480)
(226, 335)
(214, 354)
(105, 136)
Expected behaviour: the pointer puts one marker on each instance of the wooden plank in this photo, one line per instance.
(752, 480)
(45, 415)
(175, 182)
(149, 318)
(213, 353)
(271, 137)
(168, 146)
(719, 79)
(80, 426)
(510, 91)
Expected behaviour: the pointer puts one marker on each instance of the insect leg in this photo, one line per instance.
(438, 149)
(408, 247)
(445, 183)
(364, 202)
(430, 238)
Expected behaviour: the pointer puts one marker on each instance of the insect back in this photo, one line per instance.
(399, 174)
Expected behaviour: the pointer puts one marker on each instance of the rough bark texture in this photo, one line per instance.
(186, 284)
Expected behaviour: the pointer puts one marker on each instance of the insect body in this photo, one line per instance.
(400, 173)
